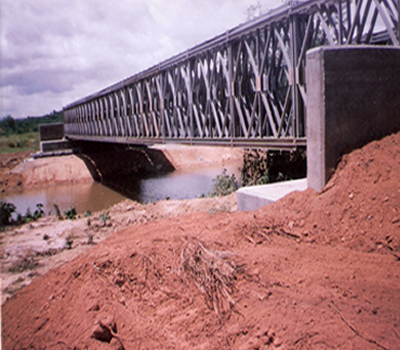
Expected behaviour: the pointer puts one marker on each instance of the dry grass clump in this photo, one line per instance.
(23, 264)
(213, 273)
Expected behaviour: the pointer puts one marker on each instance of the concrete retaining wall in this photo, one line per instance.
(53, 146)
(353, 97)
(51, 132)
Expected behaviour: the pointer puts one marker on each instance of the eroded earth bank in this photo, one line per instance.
(311, 271)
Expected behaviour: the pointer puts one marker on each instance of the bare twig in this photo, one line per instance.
(280, 232)
(356, 332)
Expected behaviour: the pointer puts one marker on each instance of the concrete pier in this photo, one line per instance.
(353, 98)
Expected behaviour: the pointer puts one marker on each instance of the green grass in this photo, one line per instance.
(19, 142)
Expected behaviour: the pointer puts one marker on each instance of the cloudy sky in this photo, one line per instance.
(54, 52)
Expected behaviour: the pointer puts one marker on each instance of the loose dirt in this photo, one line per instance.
(311, 271)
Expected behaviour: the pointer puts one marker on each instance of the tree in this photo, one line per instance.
(8, 125)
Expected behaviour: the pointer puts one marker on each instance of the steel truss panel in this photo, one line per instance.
(245, 87)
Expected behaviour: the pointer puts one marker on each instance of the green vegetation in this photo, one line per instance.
(10, 126)
(6, 211)
(19, 142)
(28, 217)
(23, 134)
(88, 215)
(70, 213)
(68, 242)
(263, 167)
(23, 264)
(105, 217)
(224, 184)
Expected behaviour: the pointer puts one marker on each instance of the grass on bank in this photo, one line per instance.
(20, 142)
(17, 135)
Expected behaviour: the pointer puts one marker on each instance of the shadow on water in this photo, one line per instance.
(123, 168)
(145, 174)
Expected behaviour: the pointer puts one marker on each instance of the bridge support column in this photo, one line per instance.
(353, 97)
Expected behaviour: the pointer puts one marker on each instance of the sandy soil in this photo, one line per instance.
(311, 271)
(19, 171)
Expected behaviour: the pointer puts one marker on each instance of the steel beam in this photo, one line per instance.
(243, 87)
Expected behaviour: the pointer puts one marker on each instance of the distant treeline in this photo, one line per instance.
(10, 126)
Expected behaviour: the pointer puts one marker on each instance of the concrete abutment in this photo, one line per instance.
(353, 98)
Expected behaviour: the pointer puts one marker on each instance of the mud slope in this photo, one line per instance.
(312, 271)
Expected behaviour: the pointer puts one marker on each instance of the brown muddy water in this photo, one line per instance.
(94, 196)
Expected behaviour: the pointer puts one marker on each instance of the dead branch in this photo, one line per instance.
(213, 273)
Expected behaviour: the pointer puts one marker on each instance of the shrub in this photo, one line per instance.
(6, 211)
(71, 213)
(38, 213)
(23, 264)
(104, 217)
(68, 242)
(263, 167)
(224, 184)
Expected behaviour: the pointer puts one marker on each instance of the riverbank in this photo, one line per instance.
(19, 171)
(311, 271)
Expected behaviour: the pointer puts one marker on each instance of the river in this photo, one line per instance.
(92, 196)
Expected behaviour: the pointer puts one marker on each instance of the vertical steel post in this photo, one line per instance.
(398, 19)
(295, 93)
(348, 11)
(258, 80)
(162, 99)
(190, 97)
(340, 24)
(230, 89)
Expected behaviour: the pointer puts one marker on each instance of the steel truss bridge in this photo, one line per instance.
(245, 87)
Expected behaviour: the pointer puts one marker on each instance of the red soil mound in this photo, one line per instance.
(360, 206)
(312, 271)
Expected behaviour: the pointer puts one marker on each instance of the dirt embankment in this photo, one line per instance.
(7, 163)
(35, 248)
(312, 271)
(19, 171)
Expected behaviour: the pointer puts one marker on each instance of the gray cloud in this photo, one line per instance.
(56, 51)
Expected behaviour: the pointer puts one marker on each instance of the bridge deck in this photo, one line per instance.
(245, 87)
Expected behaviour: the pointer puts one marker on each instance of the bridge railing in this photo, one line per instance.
(245, 87)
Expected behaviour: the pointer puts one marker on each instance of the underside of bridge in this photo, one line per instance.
(120, 166)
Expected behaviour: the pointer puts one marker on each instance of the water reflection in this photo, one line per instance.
(95, 197)
(182, 184)
(90, 196)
